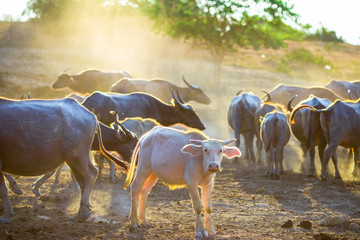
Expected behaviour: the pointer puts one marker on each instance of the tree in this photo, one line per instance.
(222, 26)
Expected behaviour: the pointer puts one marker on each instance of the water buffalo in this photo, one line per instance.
(305, 126)
(165, 153)
(283, 93)
(36, 136)
(265, 107)
(138, 126)
(275, 134)
(141, 105)
(120, 140)
(339, 122)
(89, 81)
(240, 116)
(346, 90)
(161, 89)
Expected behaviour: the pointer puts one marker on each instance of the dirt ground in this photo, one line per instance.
(246, 205)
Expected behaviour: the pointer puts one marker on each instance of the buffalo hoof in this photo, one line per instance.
(134, 227)
(146, 225)
(17, 190)
(80, 218)
(4, 220)
(201, 235)
(36, 192)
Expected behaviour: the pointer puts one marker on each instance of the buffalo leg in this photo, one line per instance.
(85, 173)
(278, 162)
(99, 160)
(312, 169)
(13, 184)
(195, 197)
(206, 195)
(40, 181)
(149, 183)
(237, 143)
(259, 147)
(356, 162)
(112, 171)
(249, 142)
(142, 174)
(7, 209)
(329, 152)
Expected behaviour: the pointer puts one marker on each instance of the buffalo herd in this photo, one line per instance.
(149, 130)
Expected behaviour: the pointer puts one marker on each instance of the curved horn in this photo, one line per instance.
(268, 96)
(239, 92)
(196, 141)
(179, 97)
(289, 103)
(187, 83)
(128, 133)
(177, 100)
(229, 141)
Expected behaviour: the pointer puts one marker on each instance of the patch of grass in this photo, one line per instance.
(301, 55)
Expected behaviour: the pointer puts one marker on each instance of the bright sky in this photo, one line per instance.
(342, 17)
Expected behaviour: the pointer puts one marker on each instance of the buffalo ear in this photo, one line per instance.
(192, 149)
(231, 152)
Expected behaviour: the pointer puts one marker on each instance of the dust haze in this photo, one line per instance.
(128, 43)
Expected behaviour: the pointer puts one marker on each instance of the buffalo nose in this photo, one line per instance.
(213, 167)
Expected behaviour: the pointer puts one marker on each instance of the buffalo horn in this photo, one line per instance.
(268, 96)
(229, 141)
(239, 92)
(179, 97)
(177, 100)
(128, 133)
(187, 83)
(289, 103)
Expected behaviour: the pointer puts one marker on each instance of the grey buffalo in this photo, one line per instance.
(89, 81)
(275, 134)
(240, 116)
(179, 159)
(305, 126)
(264, 108)
(36, 136)
(284, 93)
(118, 139)
(141, 105)
(339, 122)
(161, 89)
(346, 90)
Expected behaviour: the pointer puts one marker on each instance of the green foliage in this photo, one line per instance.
(324, 35)
(301, 55)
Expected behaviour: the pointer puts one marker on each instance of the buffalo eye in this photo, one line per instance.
(220, 150)
(205, 150)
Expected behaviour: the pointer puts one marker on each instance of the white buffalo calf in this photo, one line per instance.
(179, 159)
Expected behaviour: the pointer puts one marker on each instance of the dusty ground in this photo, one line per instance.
(246, 204)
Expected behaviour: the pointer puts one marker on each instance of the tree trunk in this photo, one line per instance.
(217, 70)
